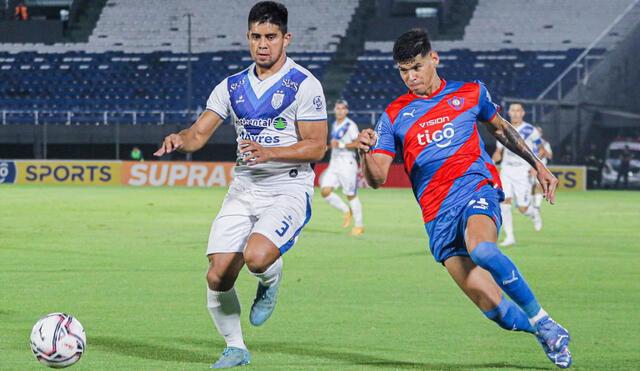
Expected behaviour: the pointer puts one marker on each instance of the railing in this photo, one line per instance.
(578, 72)
(106, 118)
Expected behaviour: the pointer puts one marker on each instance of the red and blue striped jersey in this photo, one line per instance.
(438, 138)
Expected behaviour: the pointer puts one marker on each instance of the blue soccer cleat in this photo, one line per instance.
(232, 357)
(554, 340)
(264, 303)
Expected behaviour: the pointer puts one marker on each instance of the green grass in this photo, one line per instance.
(129, 264)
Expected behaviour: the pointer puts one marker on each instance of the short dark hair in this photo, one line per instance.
(269, 12)
(517, 102)
(410, 44)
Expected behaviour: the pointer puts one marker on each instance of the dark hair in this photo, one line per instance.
(410, 44)
(269, 12)
(517, 102)
(343, 102)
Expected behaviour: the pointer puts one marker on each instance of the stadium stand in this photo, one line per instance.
(516, 48)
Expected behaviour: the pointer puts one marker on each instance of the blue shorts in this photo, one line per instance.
(446, 231)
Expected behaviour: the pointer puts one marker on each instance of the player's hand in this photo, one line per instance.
(366, 140)
(171, 143)
(334, 143)
(548, 182)
(253, 153)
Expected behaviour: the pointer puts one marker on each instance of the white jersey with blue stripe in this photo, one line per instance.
(532, 138)
(345, 133)
(266, 112)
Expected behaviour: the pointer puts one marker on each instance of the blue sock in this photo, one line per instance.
(510, 317)
(488, 256)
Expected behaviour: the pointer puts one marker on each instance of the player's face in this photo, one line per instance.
(516, 113)
(419, 74)
(341, 111)
(267, 43)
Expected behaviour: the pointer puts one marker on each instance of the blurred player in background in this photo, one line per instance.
(544, 156)
(514, 173)
(278, 110)
(457, 186)
(343, 168)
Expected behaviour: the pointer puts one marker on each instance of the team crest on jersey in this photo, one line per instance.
(277, 99)
(456, 103)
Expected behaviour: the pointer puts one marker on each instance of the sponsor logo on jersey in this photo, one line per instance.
(438, 120)
(236, 85)
(317, 101)
(441, 137)
(288, 83)
(456, 103)
(277, 99)
(240, 99)
(280, 123)
(409, 113)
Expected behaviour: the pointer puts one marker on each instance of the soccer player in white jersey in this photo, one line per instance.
(343, 168)
(514, 174)
(278, 110)
(544, 157)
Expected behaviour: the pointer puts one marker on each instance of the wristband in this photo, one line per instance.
(341, 145)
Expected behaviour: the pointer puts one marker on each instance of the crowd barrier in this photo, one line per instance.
(190, 174)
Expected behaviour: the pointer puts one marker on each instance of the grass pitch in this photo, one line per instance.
(129, 264)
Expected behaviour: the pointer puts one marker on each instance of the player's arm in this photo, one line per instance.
(504, 132)
(375, 166)
(191, 139)
(310, 148)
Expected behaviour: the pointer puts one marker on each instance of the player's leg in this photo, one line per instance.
(522, 193)
(537, 195)
(480, 237)
(348, 182)
(481, 288)
(329, 182)
(226, 241)
(282, 218)
(222, 300)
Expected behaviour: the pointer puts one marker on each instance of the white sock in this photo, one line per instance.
(541, 314)
(224, 308)
(537, 200)
(530, 212)
(356, 209)
(507, 220)
(335, 201)
(270, 276)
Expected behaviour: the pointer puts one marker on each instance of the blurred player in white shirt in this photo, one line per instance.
(343, 168)
(514, 174)
(544, 156)
(278, 110)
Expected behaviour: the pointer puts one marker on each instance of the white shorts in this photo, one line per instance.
(278, 215)
(341, 177)
(517, 187)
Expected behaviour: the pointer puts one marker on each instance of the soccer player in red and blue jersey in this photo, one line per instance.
(434, 128)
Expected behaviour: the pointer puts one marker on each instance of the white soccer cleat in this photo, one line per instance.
(537, 220)
(509, 241)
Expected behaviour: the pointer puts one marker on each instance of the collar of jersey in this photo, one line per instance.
(281, 72)
(443, 82)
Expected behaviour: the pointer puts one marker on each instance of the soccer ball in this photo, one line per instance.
(58, 340)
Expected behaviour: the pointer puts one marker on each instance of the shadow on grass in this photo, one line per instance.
(346, 356)
(170, 352)
(162, 352)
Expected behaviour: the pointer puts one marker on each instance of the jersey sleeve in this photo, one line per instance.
(353, 131)
(385, 141)
(219, 101)
(536, 139)
(488, 109)
(311, 103)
